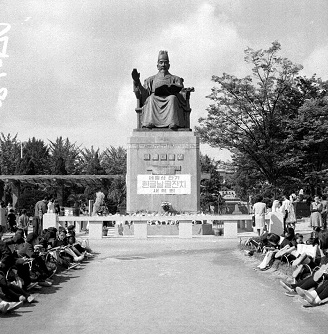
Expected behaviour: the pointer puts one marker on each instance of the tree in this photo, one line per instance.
(35, 158)
(117, 194)
(250, 116)
(113, 160)
(209, 187)
(90, 162)
(65, 157)
(9, 154)
(308, 137)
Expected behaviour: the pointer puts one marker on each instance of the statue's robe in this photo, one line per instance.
(163, 105)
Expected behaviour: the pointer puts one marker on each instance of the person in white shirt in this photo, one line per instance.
(259, 211)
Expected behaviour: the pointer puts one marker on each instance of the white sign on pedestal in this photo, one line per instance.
(164, 184)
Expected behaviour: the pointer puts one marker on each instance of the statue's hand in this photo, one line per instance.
(135, 75)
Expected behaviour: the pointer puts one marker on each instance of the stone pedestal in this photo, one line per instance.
(163, 166)
(276, 224)
(95, 229)
(50, 220)
(230, 229)
(185, 229)
(140, 229)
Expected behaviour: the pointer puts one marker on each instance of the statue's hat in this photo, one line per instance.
(163, 55)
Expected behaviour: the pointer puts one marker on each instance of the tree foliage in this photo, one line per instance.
(9, 154)
(253, 117)
(64, 157)
(90, 162)
(35, 158)
(209, 187)
(113, 160)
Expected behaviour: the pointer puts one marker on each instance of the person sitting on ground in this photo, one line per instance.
(15, 242)
(77, 248)
(288, 246)
(314, 289)
(48, 238)
(284, 247)
(71, 232)
(310, 282)
(38, 263)
(9, 306)
(62, 242)
(8, 261)
(315, 297)
(299, 238)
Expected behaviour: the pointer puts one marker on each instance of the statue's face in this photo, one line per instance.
(163, 65)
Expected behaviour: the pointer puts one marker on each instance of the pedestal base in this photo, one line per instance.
(163, 166)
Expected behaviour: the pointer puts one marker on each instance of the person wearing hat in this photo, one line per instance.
(163, 106)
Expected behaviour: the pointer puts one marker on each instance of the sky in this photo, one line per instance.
(65, 65)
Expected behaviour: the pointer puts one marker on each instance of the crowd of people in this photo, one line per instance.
(318, 211)
(30, 261)
(308, 258)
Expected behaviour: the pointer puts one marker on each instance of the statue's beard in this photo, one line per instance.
(163, 70)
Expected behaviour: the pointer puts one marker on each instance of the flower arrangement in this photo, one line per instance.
(166, 206)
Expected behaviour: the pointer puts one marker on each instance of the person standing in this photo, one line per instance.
(23, 222)
(51, 205)
(39, 210)
(287, 208)
(316, 209)
(11, 220)
(259, 211)
(220, 204)
(324, 211)
(57, 207)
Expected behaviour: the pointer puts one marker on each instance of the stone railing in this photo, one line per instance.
(140, 223)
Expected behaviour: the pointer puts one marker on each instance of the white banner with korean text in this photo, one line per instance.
(164, 184)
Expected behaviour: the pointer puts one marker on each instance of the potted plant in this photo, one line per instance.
(166, 206)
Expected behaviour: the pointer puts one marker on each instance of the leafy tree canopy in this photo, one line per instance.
(64, 157)
(113, 160)
(9, 154)
(255, 116)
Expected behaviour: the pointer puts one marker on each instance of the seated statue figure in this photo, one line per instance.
(160, 97)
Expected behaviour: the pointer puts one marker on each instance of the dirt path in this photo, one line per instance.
(166, 286)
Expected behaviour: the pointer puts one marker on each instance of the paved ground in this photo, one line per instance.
(203, 285)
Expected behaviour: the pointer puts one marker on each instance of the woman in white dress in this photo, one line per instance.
(259, 211)
(315, 209)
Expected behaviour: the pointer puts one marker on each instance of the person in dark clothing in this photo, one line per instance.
(11, 220)
(15, 242)
(27, 251)
(7, 261)
(318, 281)
(39, 210)
(48, 237)
(62, 241)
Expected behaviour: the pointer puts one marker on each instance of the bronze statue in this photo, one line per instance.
(163, 99)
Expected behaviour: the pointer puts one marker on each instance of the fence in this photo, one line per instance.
(184, 223)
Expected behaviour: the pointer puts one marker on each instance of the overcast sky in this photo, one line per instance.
(69, 61)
